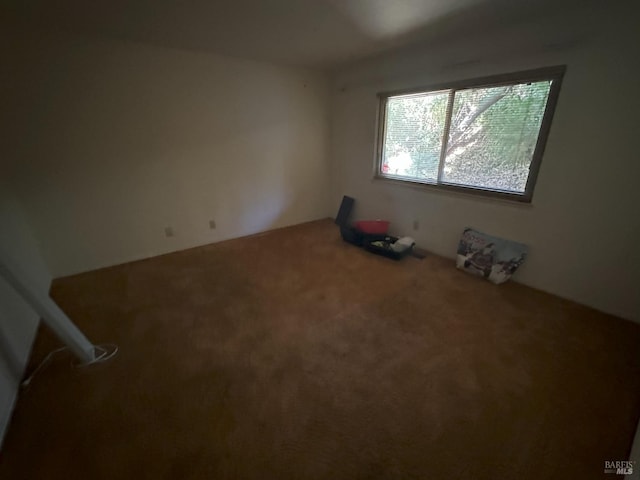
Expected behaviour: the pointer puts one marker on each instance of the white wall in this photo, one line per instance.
(123, 140)
(18, 322)
(116, 141)
(583, 226)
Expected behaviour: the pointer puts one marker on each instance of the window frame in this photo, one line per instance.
(555, 74)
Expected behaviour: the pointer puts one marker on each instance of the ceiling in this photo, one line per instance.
(311, 33)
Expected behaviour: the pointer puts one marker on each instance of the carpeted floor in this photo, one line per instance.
(293, 355)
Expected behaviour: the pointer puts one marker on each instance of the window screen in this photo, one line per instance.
(484, 138)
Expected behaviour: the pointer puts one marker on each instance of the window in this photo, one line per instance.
(481, 136)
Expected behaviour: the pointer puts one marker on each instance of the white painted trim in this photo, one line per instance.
(50, 313)
(6, 417)
(6, 410)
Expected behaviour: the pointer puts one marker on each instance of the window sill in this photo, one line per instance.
(458, 191)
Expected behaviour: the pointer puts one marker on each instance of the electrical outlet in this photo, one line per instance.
(212, 224)
(416, 225)
(168, 232)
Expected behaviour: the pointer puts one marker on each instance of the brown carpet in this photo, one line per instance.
(293, 355)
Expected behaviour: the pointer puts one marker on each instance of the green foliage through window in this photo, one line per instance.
(477, 137)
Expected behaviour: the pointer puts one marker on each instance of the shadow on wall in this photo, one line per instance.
(130, 139)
